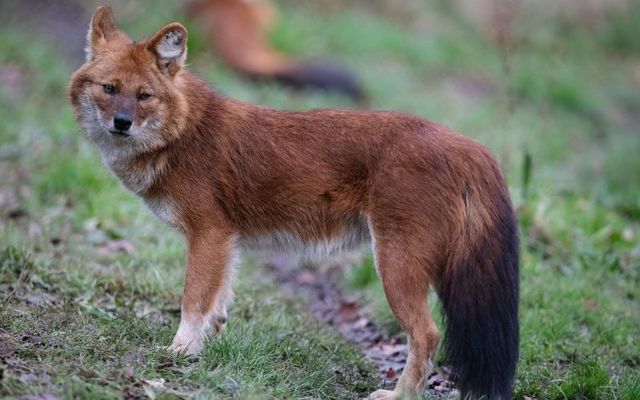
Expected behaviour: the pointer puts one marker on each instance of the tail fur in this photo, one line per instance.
(479, 294)
(322, 76)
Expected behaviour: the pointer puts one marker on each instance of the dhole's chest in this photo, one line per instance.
(139, 178)
(164, 209)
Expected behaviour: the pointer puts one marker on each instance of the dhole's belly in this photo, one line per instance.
(346, 237)
(303, 240)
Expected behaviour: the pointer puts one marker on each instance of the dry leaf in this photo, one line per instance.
(348, 311)
(115, 246)
(361, 322)
(306, 278)
(8, 345)
(390, 373)
(154, 387)
(45, 396)
(393, 349)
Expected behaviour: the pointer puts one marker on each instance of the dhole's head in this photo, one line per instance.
(127, 95)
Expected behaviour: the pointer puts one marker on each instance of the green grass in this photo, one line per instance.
(83, 321)
(102, 333)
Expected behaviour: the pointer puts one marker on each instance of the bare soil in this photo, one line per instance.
(320, 289)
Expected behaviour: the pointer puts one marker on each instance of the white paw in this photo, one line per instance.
(193, 334)
(187, 346)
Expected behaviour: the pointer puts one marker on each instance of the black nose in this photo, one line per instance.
(122, 121)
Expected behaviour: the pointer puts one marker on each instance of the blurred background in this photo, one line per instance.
(552, 87)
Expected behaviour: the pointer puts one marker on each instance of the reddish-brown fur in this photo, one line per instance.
(238, 30)
(230, 175)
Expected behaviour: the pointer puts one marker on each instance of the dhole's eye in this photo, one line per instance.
(109, 89)
(143, 96)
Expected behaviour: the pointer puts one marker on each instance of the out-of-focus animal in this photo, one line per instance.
(238, 30)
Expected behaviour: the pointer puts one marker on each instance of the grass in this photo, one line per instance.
(84, 318)
(102, 335)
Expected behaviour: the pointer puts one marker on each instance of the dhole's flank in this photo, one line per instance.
(231, 175)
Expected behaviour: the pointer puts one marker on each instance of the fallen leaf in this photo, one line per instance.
(45, 396)
(8, 345)
(129, 373)
(115, 246)
(390, 373)
(154, 387)
(361, 322)
(348, 311)
(306, 278)
(393, 349)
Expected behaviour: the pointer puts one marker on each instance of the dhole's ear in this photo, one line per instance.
(170, 47)
(102, 29)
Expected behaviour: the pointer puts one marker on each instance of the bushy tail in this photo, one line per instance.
(322, 76)
(479, 293)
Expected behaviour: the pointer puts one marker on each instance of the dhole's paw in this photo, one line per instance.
(191, 337)
(186, 346)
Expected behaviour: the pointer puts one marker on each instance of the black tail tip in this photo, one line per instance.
(480, 296)
(324, 76)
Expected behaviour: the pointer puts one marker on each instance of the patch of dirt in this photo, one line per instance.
(12, 365)
(8, 345)
(45, 396)
(319, 287)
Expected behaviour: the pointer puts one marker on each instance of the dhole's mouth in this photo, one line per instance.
(118, 133)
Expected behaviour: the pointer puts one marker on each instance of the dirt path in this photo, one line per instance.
(320, 289)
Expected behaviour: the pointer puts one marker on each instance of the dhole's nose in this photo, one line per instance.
(122, 121)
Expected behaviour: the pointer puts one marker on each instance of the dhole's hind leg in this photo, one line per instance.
(405, 280)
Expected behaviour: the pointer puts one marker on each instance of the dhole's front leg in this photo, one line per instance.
(207, 289)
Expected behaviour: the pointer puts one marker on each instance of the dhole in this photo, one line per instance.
(231, 175)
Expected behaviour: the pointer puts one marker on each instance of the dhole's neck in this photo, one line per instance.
(142, 170)
(139, 173)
